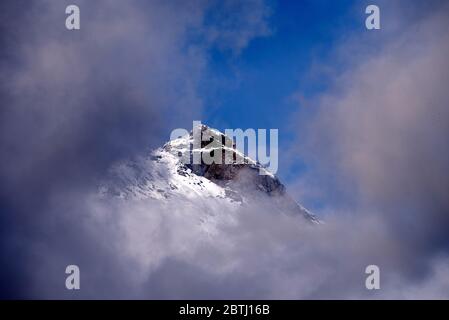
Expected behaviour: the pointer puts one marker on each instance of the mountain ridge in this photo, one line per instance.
(164, 175)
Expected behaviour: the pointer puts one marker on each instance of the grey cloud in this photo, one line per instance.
(239, 22)
(73, 103)
(378, 144)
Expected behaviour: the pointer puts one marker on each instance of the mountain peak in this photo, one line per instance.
(169, 174)
(205, 142)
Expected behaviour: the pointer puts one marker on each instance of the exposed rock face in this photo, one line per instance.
(233, 164)
(169, 174)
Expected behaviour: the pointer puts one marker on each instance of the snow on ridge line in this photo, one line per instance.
(161, 176)
(182, 145)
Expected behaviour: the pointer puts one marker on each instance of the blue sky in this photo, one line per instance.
(258, 88)
(258, 83)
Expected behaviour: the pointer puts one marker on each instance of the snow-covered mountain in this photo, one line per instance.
(213, 191)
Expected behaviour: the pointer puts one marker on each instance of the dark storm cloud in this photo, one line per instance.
(74, 102)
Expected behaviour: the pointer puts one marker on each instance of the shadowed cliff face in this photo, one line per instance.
(224, 163)
(232, 170)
